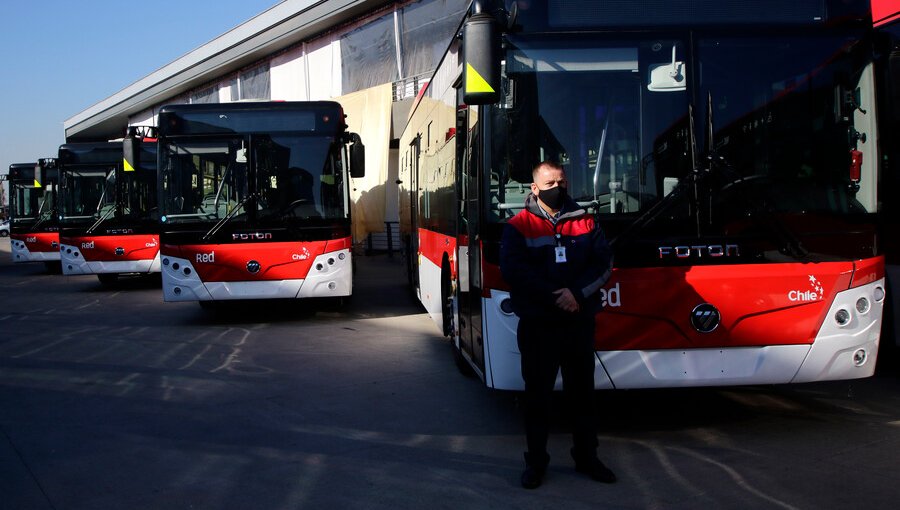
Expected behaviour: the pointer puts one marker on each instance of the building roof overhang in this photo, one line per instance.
(281, 26)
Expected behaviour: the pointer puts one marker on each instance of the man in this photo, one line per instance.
(555, 259)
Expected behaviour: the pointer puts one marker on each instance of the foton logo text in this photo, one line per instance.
(255, 236)
(206, 258)
(699, 251)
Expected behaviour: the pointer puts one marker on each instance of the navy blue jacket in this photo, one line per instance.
(528, 260)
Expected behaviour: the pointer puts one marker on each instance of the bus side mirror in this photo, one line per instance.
(481, 60)
(357, 157)
(131, 153)
(46, 172)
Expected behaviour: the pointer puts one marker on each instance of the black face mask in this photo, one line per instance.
(554, 197)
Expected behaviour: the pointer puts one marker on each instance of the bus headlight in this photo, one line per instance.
(862, 305)
(879, 294)
(842, 317)
(860, 357)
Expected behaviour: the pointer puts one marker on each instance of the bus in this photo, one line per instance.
(108, 213)
(728, 149)
(255, 200)
(34, 225)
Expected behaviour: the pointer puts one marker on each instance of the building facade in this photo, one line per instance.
(371, 56)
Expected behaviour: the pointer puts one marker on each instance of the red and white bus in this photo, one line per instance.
(255, 200)
(728, 149)
(34, 223)
(109, 222)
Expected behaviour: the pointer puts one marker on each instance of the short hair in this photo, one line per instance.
(552, 164)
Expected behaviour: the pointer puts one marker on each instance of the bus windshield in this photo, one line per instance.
(617, 116)
(87, 193)
(777, 118)
(138, 194)
(586, 105)
(29, 203)
(252, 178)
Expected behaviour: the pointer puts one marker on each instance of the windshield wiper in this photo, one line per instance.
(41, 217)
(692, 180)
(219, 224)
(788, 241)
(600, 150)
(103, 218)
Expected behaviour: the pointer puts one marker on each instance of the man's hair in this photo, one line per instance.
(552, 164)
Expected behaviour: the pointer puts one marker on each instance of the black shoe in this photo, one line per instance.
(532, 477)
(592, 467)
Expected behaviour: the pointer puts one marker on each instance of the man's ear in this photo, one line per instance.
(534, 188)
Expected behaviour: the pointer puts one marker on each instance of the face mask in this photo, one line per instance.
(554, 197)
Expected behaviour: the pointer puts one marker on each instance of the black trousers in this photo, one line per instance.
(548, 346)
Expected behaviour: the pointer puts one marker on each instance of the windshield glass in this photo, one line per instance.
(26, 202)
(591, 107)
(138, 194)
(252, 178)
(778, 124)
(87, 193)
(617, 116)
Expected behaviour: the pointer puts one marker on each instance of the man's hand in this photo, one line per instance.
(566, 301)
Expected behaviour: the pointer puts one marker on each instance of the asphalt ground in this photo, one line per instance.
(110, 398)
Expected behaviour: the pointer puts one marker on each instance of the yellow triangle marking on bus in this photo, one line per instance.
(128, 167)
(37, 184)
(475, 82)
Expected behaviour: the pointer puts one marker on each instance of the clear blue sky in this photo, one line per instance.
(59, 57)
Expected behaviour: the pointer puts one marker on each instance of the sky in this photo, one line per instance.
(59, 57)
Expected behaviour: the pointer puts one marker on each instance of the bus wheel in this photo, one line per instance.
(108, 278)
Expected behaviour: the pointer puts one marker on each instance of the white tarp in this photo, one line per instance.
(369, 115)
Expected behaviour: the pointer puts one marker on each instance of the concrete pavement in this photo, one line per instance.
(110, 398)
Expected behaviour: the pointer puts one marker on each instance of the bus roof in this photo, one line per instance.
(554, 15)
(21, 171)
(90, 153)
(325, 117)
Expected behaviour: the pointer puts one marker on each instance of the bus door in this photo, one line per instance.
(469, 240)
(413, 249)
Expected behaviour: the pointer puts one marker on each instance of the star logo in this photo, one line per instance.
(816, 286)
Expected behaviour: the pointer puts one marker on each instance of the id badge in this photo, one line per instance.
(560, 254)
